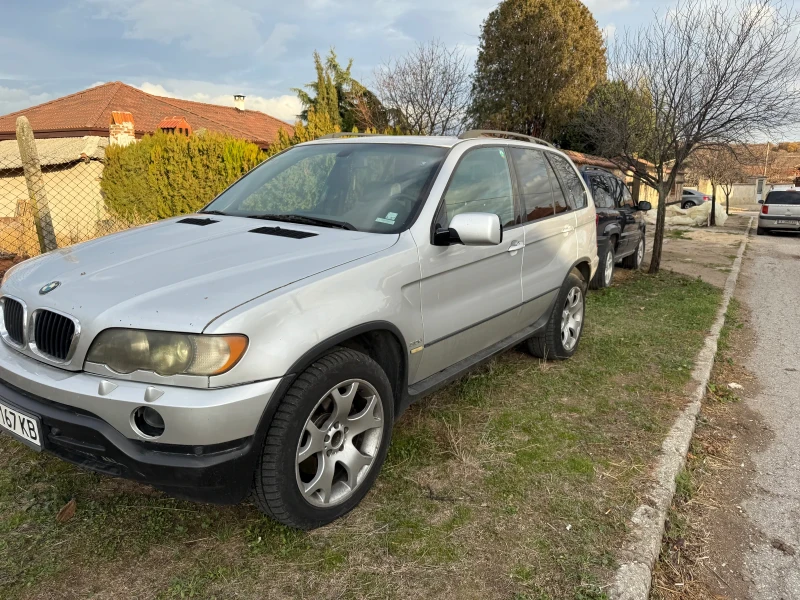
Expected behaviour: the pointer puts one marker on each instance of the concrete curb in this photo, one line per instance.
(634, 575)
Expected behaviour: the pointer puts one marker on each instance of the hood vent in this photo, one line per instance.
(198, 221)
(280, 232)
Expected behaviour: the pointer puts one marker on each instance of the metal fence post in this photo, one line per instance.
(35, 182)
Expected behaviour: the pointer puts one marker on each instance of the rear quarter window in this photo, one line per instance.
(569, 179)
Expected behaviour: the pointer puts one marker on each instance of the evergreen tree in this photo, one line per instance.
(538, 61)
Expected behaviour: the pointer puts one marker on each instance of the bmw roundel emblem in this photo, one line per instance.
(46, 289)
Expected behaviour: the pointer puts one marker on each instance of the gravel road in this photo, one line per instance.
(771, 289)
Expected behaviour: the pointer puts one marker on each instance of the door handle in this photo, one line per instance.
(568, 229)
(515, 247)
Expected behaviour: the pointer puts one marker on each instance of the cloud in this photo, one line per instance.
(609, 32)
(14, 99)
(213, 28)
(605, 6)
(285, 107)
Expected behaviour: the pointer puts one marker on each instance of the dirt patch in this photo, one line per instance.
(707, 253)
(707, 533)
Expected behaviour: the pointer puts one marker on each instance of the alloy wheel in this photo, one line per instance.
(609, 271)
(572, 319)
(640, 254)
(339, 443)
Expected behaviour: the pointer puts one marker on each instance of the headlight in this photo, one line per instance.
(129, 350)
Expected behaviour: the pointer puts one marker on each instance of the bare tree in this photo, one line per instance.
(705, 74)
(428, 90)
(721, 166)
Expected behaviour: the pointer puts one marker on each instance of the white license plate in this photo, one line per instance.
(22, 426)
(787, 222)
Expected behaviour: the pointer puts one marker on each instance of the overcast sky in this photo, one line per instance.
(208, 50)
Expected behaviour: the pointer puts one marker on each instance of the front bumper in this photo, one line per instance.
(220, 473)
(192, 416)
(771, 222)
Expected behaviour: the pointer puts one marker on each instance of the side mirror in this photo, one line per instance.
(644, 205)
(471, 229)
(761, 202)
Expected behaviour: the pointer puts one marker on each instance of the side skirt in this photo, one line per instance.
(455, 371)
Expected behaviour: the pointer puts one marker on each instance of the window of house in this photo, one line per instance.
(482, 183)
(534, 183)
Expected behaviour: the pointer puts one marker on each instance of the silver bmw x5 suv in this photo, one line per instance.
(267, 344)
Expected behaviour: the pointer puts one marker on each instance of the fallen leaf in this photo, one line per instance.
(67, 511)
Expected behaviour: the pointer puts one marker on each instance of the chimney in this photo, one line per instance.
(120, 130)
(238, 102)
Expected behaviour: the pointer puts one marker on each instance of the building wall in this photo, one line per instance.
(73, 195)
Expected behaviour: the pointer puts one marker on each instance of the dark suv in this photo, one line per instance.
(620, 224)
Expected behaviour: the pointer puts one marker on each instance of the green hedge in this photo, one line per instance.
(164, 175)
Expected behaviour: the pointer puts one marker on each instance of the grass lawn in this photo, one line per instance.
(514, 483)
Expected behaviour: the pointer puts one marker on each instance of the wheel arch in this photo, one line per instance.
(584, 267)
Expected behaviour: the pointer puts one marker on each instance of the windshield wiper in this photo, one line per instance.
(213, 212)
(305, 220)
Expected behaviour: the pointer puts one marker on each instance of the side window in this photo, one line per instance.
(570, 182)
(603, 197)
(534, 183)
(482, 183)
(627, 199)
(561, 202)
(616, 190)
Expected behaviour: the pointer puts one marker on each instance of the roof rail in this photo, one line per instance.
(341, 134)
(478, 133)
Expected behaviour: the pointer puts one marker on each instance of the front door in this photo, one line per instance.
(471, 296)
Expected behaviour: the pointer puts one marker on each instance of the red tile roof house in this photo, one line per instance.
(89, 113)
(112, 113)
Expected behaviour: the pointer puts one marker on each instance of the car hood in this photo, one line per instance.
(177, 276)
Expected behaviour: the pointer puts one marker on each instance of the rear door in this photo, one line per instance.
(630, 218)
(548, 251)
(610, 220)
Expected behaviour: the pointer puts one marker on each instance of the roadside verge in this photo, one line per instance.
(634, 575)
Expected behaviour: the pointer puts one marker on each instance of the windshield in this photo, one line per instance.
(368, 187)
(783, 198)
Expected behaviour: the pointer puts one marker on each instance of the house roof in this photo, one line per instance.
(55, 151)
(89, 113)
(579, 158)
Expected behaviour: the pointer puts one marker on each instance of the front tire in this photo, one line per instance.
(562, 333)
(605, 271)
(327, 441)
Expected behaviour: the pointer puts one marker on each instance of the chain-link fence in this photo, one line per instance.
(61, 206)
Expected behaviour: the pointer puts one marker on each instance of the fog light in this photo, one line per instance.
(148, 422)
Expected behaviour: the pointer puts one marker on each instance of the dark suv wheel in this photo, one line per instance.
(562, 333)
(634, 261)
(327, 441)
(605, 270)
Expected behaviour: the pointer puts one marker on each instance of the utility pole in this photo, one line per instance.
(33, 178)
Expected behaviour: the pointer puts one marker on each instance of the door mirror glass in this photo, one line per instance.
(476, 229)
(761, 202)
(644, 205)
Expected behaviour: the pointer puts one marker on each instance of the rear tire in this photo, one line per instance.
(568, 313)
(687, 205)
(761, 231)
(634, 261)
(605, 270)
(327, 441)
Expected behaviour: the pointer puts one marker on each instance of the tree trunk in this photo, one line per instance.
(661, 216)
(713, 220)
(727, 204)
(35, 182)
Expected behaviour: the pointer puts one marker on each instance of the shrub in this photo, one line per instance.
(164, 175)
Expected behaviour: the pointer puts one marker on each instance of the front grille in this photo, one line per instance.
(13, 318)
(53, 334)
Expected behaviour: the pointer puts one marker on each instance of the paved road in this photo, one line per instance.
(771, 288)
